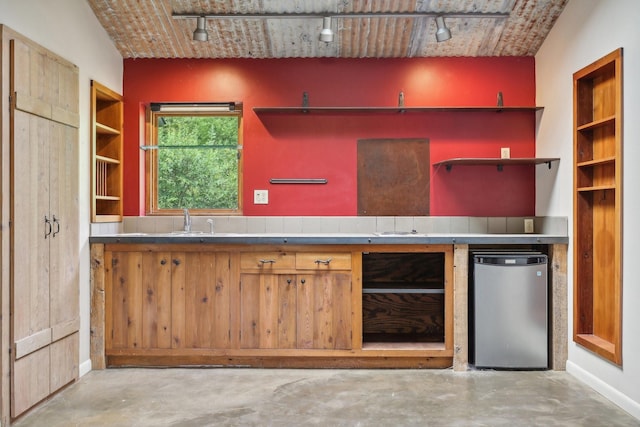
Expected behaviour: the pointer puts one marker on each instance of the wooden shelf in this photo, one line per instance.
(597, 100)
(389, 110)
(449, 163)
(607, 121)
(596, 344)
(106, 130)
(107, 160)
(106, 154)
(596, 188)
(596, 162)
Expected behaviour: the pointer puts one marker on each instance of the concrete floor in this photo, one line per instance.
(282, 397)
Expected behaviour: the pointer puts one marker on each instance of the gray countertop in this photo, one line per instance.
(329, 238)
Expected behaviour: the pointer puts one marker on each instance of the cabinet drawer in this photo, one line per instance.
(267, 261)
(323, 261)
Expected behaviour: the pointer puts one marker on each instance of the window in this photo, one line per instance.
(194, 160)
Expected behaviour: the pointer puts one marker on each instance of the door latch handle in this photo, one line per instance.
(57, 224)
(47, 227)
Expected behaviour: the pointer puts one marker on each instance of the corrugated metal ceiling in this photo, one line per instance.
(146, 28)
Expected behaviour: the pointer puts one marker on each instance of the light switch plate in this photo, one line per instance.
(260, 197)
(505, 153)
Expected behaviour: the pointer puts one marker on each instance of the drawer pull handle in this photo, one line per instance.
(323, 261)
(267, 261)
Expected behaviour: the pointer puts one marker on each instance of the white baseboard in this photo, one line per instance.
(85, 367)
(615, 396)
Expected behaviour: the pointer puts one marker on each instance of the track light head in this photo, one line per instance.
(442, 33)
(326, 35)
(201, 34)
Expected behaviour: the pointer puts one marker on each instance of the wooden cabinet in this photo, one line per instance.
(44, 223)
(106, 154)
(598, 206)
(167, 299)
(237, 304)
(300, 300)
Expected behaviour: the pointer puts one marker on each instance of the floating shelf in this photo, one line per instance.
(496, 161)
(388, 110)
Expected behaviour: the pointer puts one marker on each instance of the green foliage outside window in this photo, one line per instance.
(197, 162)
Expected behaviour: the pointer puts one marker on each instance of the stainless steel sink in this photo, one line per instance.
(398, 233)
(187, 233)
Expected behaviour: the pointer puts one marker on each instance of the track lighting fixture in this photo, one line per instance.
(201, 34)
(326, 35)
(442, 33)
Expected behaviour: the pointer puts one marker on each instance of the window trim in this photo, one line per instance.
(151, 161)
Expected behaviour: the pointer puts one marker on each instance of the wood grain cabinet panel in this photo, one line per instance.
(268, 311)
(324, 311)
(167, 300)
(304, 311)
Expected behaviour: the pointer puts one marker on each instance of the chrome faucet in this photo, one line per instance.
(210, 222)
(187, 220)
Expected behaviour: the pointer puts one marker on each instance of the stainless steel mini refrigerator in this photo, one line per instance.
(510, 310)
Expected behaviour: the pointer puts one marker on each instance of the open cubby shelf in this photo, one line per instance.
(106, 154)
(403, 298)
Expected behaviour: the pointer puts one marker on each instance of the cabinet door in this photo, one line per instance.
(156, 305)
(31, 332)
(267, 310)
(64, 258)
(206, 299)
(44, 262)
(123, 300)
(306, 311)
(324, 310)
(167, 300)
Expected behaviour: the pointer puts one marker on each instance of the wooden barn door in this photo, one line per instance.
(44, 218)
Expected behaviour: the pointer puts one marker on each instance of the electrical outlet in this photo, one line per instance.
(505, 153)
(260, 197)
(528, 225)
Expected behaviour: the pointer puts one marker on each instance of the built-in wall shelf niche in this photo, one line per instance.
(106, 154)
(498, 162)
(597, 106)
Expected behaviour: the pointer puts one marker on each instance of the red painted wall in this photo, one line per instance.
(324, 146)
